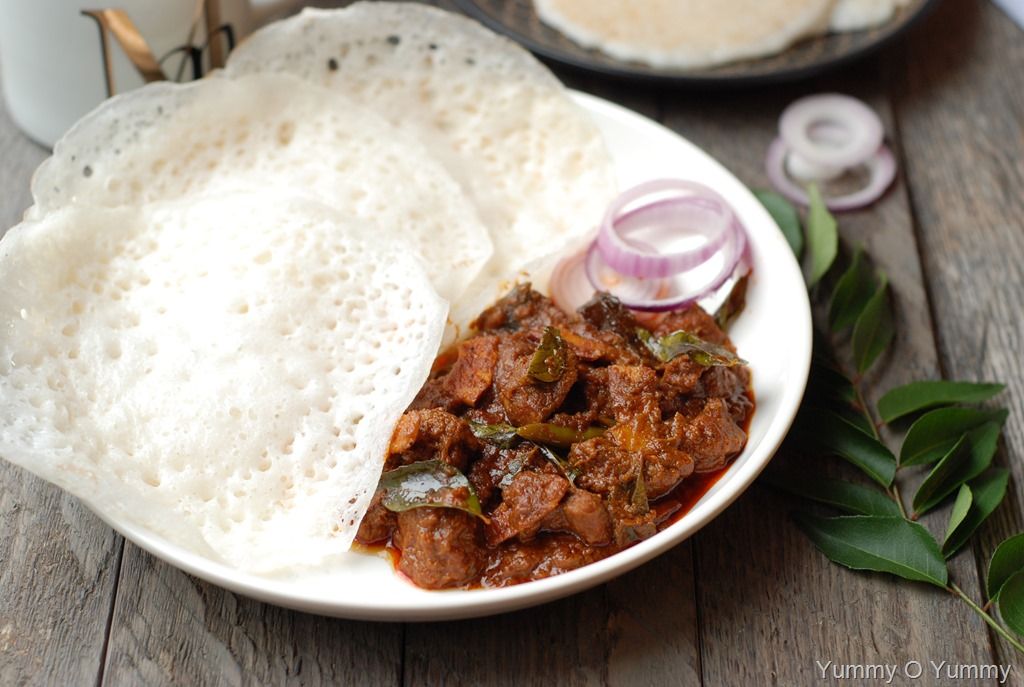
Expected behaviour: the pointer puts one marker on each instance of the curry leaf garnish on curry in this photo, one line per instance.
(961, 441)
(548, 364)
(428, 484)
(501, 434)
(672, 345)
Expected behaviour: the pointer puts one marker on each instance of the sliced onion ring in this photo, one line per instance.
(881, 166)
(862, 130)
(570, 287)
(734, 256)
(694, 210)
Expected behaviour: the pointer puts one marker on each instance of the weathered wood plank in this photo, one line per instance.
(58, 562)
(960, 106)
(169, 628)
(770, 604)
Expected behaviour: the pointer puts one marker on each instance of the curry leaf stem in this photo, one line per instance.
(987, 618)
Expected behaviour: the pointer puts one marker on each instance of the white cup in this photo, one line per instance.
(61, 58)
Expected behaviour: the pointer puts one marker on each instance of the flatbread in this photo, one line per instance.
(533, 162)
(855, 15)
(268, 132)
(225, 373)
(686, 34)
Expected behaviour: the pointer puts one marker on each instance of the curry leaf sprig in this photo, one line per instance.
(947, 434)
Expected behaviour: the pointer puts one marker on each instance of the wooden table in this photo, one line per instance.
(747, 601)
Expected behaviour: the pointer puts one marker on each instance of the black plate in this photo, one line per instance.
(518, 20)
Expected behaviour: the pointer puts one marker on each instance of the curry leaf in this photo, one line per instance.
(1011, 603)
(677, 343)
(874, 329)
(498, 434)
(888, 544)
(733, 304)
(852, 293)
(987, 493)
(934, 433)
(838, 436)
(428, 484)
(568, 471)
(548, 363)
(961, 507)
(846, 496)
(918, 396)
(822, 237)
(1007, 560)
(968, 458)
(785, 215)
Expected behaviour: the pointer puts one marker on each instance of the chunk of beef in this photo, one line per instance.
(602, 464)
(712, 437)
(496, 468)
(431, 434)
(729, 384)
(633, 392)
(524, 398)
(630, 522)
(473, 371)
(525, 503)
(440, 547)
(583, 514)
(521, 308)
(542, 557)
(695, 320)
(378, 523)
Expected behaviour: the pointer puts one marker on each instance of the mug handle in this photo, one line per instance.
(262, 10)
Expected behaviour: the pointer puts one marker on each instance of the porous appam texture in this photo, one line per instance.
(225, 373)
(686, 34)
(532, 160)
(268, 132)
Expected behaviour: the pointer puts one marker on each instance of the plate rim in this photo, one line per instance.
(697, 79)
(493, 601)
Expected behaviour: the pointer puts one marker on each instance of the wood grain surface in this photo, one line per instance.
(747, 601)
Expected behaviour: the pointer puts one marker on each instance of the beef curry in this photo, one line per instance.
(547, 441)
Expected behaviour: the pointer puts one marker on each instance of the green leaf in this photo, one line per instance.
(933, 434)
(1007, 560)
(734, 303)
(888, 544)
(785, 215)
(968, 458)
(1011, 603)
(677, 343)
(918, 396)
(846, 496)
(822, 237)
(874, 329)
(502, 435)
(987, 493)
(829, 384)
(428, 484)
(548, 363)
(834, 434)
(962, 505)
(852, 293)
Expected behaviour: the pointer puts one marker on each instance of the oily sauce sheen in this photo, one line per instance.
(549, 441)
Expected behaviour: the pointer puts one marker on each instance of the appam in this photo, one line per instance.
(225, 372)
(532, 161)
(263, 132)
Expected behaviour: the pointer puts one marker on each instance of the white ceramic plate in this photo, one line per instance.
(773, 334)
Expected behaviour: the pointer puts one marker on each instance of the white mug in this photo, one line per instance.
(61, 58)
